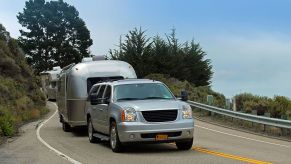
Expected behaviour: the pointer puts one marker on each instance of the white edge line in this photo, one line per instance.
(58, 153)
(251, 139)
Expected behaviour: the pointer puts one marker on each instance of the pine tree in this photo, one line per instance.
(164, 56)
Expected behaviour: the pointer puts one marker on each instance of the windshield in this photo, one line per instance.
(142, 92)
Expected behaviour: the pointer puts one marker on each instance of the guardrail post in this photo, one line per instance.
(284, 132)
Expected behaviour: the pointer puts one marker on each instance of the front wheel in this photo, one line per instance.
(115, 144)
(184, 145)
(66, 126)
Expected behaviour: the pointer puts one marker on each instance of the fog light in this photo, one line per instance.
(132, 136)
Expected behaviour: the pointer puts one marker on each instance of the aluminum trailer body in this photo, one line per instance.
(76, 80)
(49, 82)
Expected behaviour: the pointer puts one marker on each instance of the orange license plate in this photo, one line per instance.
(161, 137)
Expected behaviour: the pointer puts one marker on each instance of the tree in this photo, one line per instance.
(165, 56)
(55, 34)
(136, 50)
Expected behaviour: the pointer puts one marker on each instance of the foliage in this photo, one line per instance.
(281, 106)
(198, 94)
(55, 36)
(20, 95)
(278, 107)
(6, 123)
(165, 56)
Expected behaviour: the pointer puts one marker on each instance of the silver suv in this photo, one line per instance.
(138, 110)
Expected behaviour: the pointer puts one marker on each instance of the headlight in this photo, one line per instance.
(187, 112)
(128, 115)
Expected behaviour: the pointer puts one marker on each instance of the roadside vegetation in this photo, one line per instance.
(21, 99)
(277, 107)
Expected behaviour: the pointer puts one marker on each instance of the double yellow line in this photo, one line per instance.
(230, 156)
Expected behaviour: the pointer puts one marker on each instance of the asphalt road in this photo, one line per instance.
(212, 144)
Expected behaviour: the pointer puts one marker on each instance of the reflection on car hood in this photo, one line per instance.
(142, 105)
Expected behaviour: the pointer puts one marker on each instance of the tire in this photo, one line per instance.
(115, 143)
(184, 145)
(91, 131)
(66, 127)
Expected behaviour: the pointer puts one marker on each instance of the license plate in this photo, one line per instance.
(161, 137)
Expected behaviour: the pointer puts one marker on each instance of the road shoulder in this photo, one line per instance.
(25, 148)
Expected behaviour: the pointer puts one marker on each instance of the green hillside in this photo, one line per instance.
(20, 96)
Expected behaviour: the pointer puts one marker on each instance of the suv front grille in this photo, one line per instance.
(160, 115)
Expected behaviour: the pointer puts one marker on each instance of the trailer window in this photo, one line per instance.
(94, 80)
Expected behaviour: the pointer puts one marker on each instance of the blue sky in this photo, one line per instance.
(248, 41)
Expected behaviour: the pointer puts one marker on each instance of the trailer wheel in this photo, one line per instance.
(91, 131)
(66, 127)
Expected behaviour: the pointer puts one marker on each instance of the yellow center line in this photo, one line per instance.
(230, 156)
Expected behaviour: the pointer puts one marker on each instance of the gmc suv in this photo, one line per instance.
(138, 110)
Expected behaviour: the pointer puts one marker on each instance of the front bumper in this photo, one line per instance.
(146, 132)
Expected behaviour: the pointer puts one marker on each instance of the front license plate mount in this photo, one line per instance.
(161, 137)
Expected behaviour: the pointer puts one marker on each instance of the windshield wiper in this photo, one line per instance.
(128, 98)
(155, 98)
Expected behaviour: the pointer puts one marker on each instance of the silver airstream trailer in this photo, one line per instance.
(49, 82)
(76, 80)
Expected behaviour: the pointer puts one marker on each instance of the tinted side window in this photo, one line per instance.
(101, 91)
(107, 93)
(94, 89)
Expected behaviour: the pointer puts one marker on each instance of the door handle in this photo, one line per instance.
(100, 109)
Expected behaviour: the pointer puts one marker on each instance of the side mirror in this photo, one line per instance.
(184, 95)
(93, 99)
(105, 101)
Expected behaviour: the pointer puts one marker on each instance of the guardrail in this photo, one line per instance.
(243, 116)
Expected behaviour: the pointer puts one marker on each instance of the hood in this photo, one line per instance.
(142, 105)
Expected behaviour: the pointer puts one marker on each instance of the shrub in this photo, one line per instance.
(6, 123)
(249, 106)
(34, 113)
(242, 98)
(278, 107)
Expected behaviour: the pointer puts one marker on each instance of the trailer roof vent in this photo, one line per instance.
(56, 68)
(96, 58)
(88, 59)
